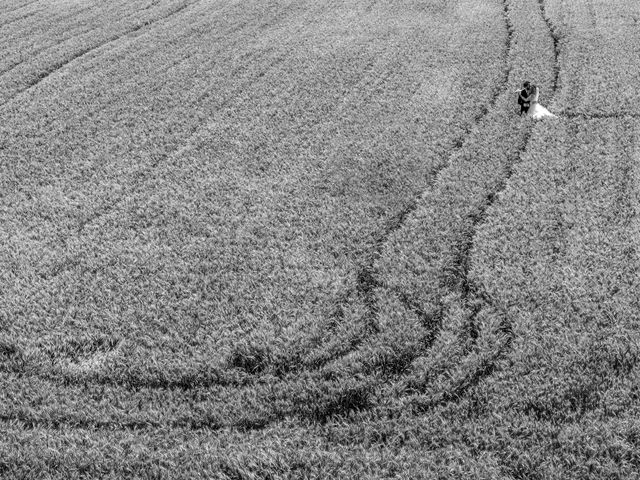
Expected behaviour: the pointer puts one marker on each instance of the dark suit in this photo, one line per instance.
(524, 101)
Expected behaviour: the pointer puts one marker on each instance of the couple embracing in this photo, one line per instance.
(528, 101)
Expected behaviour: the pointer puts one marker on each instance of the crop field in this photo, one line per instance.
(314, 239)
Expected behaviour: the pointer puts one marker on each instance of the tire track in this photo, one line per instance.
(556, 42)
(460, 282)
(475, 364)
(459, 146)
(368, 275)
(474, 298)
(461, 263)
(368, 281)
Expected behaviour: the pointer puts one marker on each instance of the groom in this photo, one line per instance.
(524, 98)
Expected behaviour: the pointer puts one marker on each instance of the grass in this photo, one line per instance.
(277, 240)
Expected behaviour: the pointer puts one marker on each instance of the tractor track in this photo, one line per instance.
(473, 298)
(368, 281)
(367, 273)
(472, 293)
(556, 43)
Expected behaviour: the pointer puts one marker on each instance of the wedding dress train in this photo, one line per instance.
(536, 110)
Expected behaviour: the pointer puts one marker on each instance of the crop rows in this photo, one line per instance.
(278, 240)
(283, 452)
(196, 203)
(14, 6)
(89, 275)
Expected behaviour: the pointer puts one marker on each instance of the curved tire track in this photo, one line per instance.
(478, 361)
(472, 294)
(556, 42)
(368, 274)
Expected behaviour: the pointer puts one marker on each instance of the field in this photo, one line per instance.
(314, 239)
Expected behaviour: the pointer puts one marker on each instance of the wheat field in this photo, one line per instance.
(305, 239)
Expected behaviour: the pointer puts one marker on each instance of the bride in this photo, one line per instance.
(536, 110)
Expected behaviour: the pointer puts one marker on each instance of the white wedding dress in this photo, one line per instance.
(536, 110)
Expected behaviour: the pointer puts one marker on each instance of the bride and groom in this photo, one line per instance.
(528, 101)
